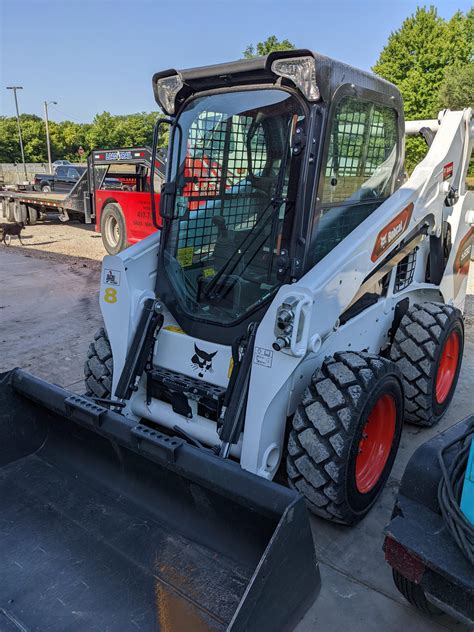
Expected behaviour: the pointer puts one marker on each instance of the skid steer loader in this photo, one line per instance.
(301, 300)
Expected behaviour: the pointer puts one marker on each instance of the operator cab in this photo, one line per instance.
(272, 162)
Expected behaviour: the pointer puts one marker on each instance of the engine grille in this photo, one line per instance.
(405, 272)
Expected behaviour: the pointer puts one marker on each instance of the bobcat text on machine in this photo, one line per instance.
(289, 315)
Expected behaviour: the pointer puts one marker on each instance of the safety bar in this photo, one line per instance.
(413, 128)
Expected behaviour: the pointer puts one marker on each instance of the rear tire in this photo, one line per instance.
(20, 213)
(32, 215)
(45, 188)
(113, 229)
(428, 348)
(98, 367)
(10, 211)
(345, 435)
(414, 594)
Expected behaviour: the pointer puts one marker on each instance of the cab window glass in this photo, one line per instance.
(359, 170)
(242, 139)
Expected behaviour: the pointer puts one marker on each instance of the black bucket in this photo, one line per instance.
(110, 525)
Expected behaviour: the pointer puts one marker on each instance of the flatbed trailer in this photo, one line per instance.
(122, 216)
(27, 206)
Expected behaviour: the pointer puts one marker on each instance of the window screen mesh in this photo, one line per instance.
(224, 156)
(359, 170)
(363, 142)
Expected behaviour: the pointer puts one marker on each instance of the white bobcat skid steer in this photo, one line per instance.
(299, 302)
(319, 293)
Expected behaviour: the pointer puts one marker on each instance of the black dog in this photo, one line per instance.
(9, 230)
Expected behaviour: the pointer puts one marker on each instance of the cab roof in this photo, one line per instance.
(330, 74)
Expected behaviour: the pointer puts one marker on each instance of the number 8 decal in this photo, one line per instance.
(110, 295)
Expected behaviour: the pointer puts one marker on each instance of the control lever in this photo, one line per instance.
(221, 226)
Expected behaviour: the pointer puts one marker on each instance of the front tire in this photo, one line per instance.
(428, 348)
(113, 229)
(98, 367)
(345, 435)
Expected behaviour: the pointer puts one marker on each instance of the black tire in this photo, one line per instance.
(45, 188)
(328, 427)
(417, 350)
(414, 594)
(20, 213)
(32, 215)
(113, 229)
(10, 211)
(98, 367)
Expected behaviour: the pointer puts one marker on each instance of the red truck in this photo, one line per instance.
(124, 216)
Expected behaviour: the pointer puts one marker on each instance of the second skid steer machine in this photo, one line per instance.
(303, 299)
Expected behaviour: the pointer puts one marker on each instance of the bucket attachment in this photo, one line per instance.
(107, 524)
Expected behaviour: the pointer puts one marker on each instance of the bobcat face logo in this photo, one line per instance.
(202, 361)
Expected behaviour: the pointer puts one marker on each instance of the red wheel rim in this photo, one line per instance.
(448, 363)
(376, 443)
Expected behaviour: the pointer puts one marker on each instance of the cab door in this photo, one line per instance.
(60, 179)
(72, 176)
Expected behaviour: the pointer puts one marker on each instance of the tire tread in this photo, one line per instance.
(98, 367)
(413, 351)
(322, 431)
(413, 593)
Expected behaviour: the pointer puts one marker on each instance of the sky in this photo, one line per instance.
(96, 55)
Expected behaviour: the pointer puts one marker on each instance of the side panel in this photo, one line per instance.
(136, 207)
(454, 282)
(127, 280)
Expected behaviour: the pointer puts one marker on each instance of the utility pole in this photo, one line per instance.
(15, 88)
(46, 103)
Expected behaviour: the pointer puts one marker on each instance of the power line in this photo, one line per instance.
(67, 115)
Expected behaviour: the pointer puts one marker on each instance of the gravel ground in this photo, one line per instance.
(57, 241)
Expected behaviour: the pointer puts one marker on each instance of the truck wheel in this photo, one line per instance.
(32, 215)
(414, 594)
(45, 188)
(98, 367)
(10, 211)
(20, 213)
(428, 348)
(112, 228)
(345, 435)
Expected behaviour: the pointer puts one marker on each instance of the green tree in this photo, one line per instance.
(457, 88)
(9, 144)
(415, 59)
(271, 44)
(34, 138)
(103, 133)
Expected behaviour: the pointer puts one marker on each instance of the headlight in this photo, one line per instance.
(302, 72)
(167, 89)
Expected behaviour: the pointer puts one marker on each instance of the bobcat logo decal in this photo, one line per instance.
(202, 361)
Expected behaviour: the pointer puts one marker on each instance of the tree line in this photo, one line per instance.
(430, 59)
(67, 138)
